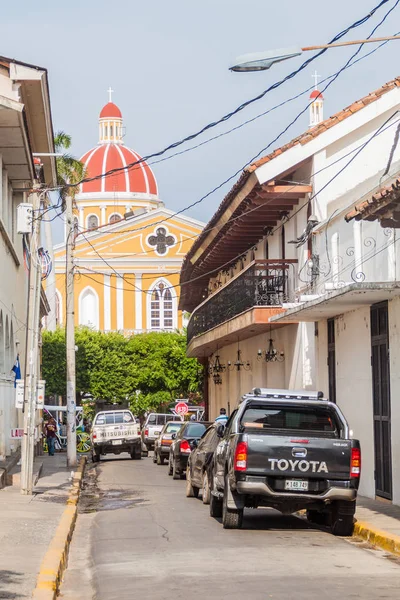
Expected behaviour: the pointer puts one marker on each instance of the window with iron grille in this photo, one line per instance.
(162, 308)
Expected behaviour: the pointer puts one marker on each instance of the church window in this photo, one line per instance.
(89, 308)
(161, 308)
(115, 218)
(161, 240)
(111, 130)
(93, 222)
(106, 130)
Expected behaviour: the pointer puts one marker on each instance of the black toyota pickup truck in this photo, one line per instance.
(287, 450)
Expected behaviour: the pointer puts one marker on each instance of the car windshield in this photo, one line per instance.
(114, 417)
(160, 419)
(194, 430)
(309, 420)
(171, 427)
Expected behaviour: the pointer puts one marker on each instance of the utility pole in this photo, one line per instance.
(70, 338)
(32, 347)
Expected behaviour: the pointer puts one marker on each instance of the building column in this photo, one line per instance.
(120, 302)
(103, 215)
(138, 301)
(107, 302)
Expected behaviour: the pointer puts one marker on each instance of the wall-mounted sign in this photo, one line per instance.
(19, 393)
(16, 434)
(40, 394)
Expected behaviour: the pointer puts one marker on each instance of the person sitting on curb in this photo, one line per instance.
(222, 417)
(50, 430)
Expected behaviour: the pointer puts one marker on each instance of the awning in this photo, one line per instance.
(339, 301)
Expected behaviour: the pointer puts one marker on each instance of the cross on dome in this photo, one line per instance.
(315, 76)
(110, 92)
(161, 240)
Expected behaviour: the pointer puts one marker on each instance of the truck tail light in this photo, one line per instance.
(241, 457)
(146, 432)
(355, 463)
(185, 447)
(94, 435)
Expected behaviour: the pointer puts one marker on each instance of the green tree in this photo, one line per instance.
(70, 170)
(148, 370)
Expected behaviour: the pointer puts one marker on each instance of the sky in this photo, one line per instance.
(168, 65)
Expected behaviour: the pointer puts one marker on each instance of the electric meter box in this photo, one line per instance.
(24, 218)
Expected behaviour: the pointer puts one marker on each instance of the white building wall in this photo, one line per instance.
(294, 372)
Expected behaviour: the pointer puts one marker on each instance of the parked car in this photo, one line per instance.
(164, 441)
(183, 443)
(113, 432)
(290, 451)
(152, 427)
(199, 468)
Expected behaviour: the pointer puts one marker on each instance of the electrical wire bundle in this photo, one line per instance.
(44, 261)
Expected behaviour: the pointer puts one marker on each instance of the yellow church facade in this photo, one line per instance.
(128, 247)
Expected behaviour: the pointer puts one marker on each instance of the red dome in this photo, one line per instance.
(139, 179)
(315, 94)
(110, 111)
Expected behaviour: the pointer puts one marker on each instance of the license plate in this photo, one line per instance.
(117, 442)
(293, 484)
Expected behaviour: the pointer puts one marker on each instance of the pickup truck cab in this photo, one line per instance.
(287, 450)
(152, 429)
(113, 432)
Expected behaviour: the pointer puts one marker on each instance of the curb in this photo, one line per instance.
(56, 558)
(377, 537)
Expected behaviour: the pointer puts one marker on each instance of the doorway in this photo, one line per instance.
(381, 399)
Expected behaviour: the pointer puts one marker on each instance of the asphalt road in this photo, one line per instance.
(138, 536)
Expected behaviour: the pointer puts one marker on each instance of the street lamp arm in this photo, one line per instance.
(352, 43)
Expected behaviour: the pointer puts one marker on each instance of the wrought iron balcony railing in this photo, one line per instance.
(262, 283)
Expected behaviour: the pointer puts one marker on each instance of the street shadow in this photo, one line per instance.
(8, 579)
(266, 520)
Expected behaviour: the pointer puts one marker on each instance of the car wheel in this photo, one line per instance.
(206, 494)
(95, 457)
(158, 459)
(343, 518)
(169, 466)
(215, 507)
(155, 457)
(191, 490)
(175, 473)
(138, 453)
(231, 518)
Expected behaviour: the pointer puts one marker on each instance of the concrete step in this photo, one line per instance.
(14, 476)
(7, 465)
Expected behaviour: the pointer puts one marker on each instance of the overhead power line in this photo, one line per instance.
(237, 110)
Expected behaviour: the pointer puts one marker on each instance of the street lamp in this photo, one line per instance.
(262, 61)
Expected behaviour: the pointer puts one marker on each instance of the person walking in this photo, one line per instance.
(51, 430)
(222, 418)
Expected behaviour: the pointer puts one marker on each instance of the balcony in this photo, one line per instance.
(264, 285)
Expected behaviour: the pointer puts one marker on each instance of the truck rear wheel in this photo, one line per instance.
(206, 494)
(191, 490)
(231, 518)
(95, 456)
(318, 518)
(343, 518)
(160, 459)
(215, 507)
(175, 473)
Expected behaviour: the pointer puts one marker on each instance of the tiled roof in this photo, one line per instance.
(378, 206)
(304, 138)
(311, 134)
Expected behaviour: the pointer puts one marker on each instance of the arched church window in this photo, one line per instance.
(93, 222)
(115, 218)
(111, 130)
(161, 308)
(89, 308)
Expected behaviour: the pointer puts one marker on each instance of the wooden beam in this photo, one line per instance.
(296, 188)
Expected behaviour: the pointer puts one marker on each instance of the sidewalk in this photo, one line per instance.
(27, 526)
(379, 523)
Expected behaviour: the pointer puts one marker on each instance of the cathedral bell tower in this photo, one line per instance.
(316, 104)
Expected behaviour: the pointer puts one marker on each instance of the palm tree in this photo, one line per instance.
(70, 170)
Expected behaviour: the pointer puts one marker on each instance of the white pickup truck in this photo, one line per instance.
(115, 431)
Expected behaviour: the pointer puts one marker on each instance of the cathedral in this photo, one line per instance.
(129, 247)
